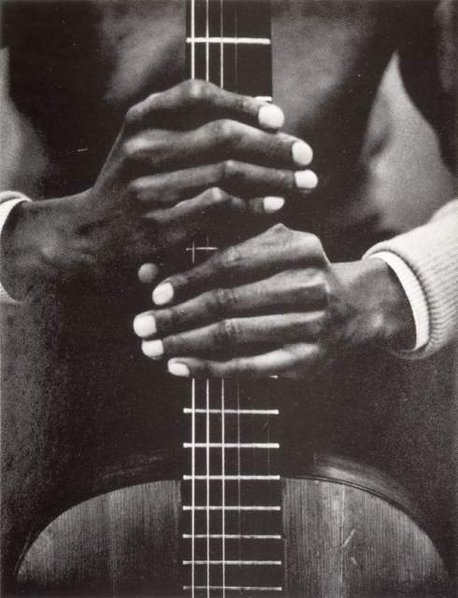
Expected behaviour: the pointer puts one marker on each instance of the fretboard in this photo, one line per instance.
(231, 492)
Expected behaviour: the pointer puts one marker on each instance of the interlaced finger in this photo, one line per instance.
(233, 336)
(290, 358)
(219, 140)
(240, 179)
(195, 101)
(274, 251)
(284, 293)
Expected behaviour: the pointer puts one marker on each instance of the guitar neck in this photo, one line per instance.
(231, 494)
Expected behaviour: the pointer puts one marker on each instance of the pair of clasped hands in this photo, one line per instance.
(272, 305)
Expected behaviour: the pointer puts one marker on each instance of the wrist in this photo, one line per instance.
(35, 245)
(378, 294)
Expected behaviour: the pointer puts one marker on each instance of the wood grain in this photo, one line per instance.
(340, 542)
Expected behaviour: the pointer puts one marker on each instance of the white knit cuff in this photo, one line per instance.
(414, 293)
(8, 201)
(431, 252)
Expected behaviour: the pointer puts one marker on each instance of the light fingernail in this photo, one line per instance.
(147, 273)
(178, 369)
(302, 153)
(145, 325)
(273, 204)
(306, 179)
(163, 294)
(271, 116)
(153, 349)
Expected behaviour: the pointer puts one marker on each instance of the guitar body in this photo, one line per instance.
(339, 542)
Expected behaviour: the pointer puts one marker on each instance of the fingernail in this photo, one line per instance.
(306, 179)
(147, 273)
(153, 349)
(178, 369)
(163, 294)
(145, 325)
(272, 204)
(271, 116)
(302, 153)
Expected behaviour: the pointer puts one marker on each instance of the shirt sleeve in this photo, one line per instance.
(8, 201)
(426, 263)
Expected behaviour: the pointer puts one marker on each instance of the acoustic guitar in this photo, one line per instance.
(245, 519)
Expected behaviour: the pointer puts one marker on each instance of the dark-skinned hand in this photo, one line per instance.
(272, 306)
(183, 157)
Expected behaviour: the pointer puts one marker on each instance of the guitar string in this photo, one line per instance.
(207, 382)
(193, 382)
(223, 422)
(239, 468)
(207, 469)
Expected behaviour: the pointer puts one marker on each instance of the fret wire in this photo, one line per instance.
(244, 477)
(235, 411)
(238, 445)
(238, 562)
(237, 536)
(241, 588)
(246, 41)
(231, 508)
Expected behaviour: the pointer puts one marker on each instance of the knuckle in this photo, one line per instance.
(129, 148)
(319, 281)
(134, 191)
(280, 229)
(221, 300)
(230, 260)
(305, 243)
(132, 115)
(225, 333)
(319, 325)
(314, 242)
(141, 194)
(302, 241)
(242, 367)
(311, 287)
(168, 319)
(216, 195)
(135, 148)
(284, 181)
(173, 344)
(220, 129)
(311, 249)
(197, 90)
(246, 105)
(230, 171)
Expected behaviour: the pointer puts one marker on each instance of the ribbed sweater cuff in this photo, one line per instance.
(431, 251)
(414, 293)
(8, 201)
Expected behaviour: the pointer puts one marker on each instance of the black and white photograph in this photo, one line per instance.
(228, 299)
